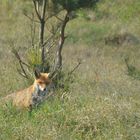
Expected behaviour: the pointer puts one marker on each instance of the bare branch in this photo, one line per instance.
(49, 31)
(59, 18)
(36, 10)
(53, 29)
(54, 73)
(23, 70)
(21, 63)
(58, 62)
(50, 46)
(18, 57)
(22, 74)
(43, 9)
(53, 15)
(30, 18)
(79, 63)
(32, 31)
(45, 43)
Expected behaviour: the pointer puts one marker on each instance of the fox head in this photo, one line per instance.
(42, 80)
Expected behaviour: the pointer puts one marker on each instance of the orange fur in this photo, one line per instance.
(25, 98)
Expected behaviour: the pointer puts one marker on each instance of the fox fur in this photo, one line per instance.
(32, 95)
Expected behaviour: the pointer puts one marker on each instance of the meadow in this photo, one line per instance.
(103, 101)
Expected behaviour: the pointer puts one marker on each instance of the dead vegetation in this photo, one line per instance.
(122, 39)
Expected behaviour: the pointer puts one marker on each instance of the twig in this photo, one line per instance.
(22, 74)
(53, 15)
(30, 18)
(36, 10)
(49, 31)
(59, 18)
(33, 31)
(54, 73)
(44, 9)
(51, 45)
(58, 62)
(21, 63)
(47, 40)
(18, 57)
(79, 63)
(54, 30)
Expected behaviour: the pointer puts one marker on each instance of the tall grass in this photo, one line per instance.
(101, 102)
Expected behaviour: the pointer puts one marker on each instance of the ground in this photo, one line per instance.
(103, 102)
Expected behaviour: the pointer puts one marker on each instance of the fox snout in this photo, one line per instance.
(42, 88)
(33, 94)
(42, 80)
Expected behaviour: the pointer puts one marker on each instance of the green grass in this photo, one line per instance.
(83, 117)
(87, 33)
(103, 102)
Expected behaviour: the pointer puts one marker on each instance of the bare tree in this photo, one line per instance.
(58, 63)
(44, 13)
(41, 4)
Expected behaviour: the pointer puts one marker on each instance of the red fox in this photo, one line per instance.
(32, 95)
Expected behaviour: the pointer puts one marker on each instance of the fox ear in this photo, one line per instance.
(37, 74)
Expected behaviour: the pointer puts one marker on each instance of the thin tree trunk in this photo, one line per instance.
(58, 63)
(41, 38)
(41, 17)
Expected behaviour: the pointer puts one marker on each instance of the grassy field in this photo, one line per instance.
(103, 102)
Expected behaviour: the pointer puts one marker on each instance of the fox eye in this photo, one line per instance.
(40, 82)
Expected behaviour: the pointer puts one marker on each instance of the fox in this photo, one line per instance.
(34, 94)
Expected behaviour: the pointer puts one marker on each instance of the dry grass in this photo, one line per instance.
(103, 102)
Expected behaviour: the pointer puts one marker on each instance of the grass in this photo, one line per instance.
(82, 117)
(85, 35)
(103, 101)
